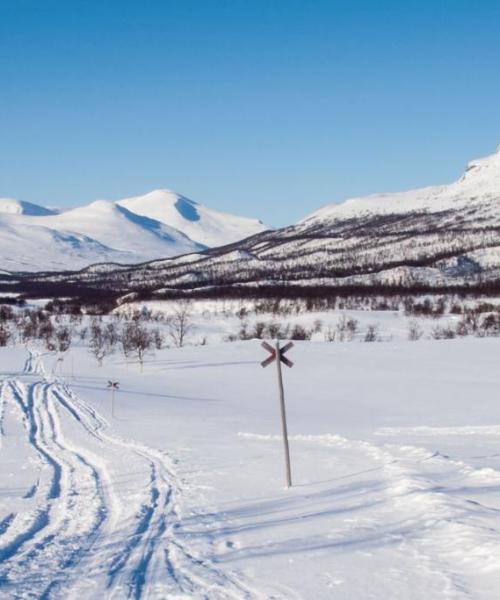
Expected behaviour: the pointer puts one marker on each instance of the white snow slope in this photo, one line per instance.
(395, 465)
(11, 206)
(200, 223)
(479, 186)
(101, 231)
(157, 225)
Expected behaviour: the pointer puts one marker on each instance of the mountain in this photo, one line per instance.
(26, 247)
(101, 231)
(202, 224)
(33, 238)
(437, 238)
(123, 230)
(18, 207)
(473, 197)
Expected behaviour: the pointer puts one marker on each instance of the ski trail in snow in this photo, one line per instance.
(448, 534)
(153, 541)
(85, 535)
(64, 526)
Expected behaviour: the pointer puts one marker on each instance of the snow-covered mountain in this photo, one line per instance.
(10, 206)
(445, 237)
(33, 238)
(202, 224)
(476, 193)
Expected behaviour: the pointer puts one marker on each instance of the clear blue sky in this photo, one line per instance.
(261, 107)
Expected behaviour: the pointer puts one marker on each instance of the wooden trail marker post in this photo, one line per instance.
(113, 386)
(278, 354)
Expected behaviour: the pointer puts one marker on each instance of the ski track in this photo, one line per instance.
(431, 518)
(72, 531)
(82, 535)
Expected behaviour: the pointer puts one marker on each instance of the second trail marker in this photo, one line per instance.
(278, 354)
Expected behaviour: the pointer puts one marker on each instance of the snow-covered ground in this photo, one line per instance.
(395, 463)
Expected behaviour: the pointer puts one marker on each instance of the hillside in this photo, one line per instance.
(10, 206)
(432, 238)
(157, 225)
(204, 225)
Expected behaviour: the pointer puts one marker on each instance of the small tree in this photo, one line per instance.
(140, 340)
(371, 333)
(100, 343)
(415, 332)
(126, 340)
(158, 339)
(5, 334)
(346, 328)
(63, 338)
(179, 323)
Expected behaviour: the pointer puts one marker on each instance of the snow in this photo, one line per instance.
(11, 206)
(27, 247)
(200, 223)
(101, 231)
(479, 187)
(158, 225)
(123, 230)
(395, 466)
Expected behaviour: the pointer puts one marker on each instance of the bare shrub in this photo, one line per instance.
(101, 344)
(346, 328)
(62, 337)
(443, 333)
(330, 334)
(300, 333)
(371, 334)
(179, 323)
(5, 334)
(317, 326)
(415, 332)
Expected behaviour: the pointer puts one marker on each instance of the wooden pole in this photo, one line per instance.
(283, 418)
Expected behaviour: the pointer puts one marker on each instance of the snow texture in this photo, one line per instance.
(395, 465)
(158, 225)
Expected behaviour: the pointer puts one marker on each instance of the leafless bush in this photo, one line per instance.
(300, 333)
(317, 326)
(101, 343)
(62, 337)
(136, 338)
(443, 333)
(179, 323)
(346, 328)
(158, 339)
(5, 334)
(490, 324)
(415, 332)
(6, 313)
(371, 334)
(330, 334)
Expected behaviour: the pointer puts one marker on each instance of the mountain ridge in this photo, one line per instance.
(33, 238)
(442, 237)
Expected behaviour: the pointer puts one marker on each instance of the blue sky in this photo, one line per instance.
(261, 107)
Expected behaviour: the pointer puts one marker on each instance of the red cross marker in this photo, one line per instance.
(279, 353)
(272, 351)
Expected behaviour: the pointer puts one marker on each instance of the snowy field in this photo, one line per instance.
(395, 462)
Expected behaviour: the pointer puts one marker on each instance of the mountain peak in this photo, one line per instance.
(480, 183)
(486, 167)
(12, 206)
(200, 223)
